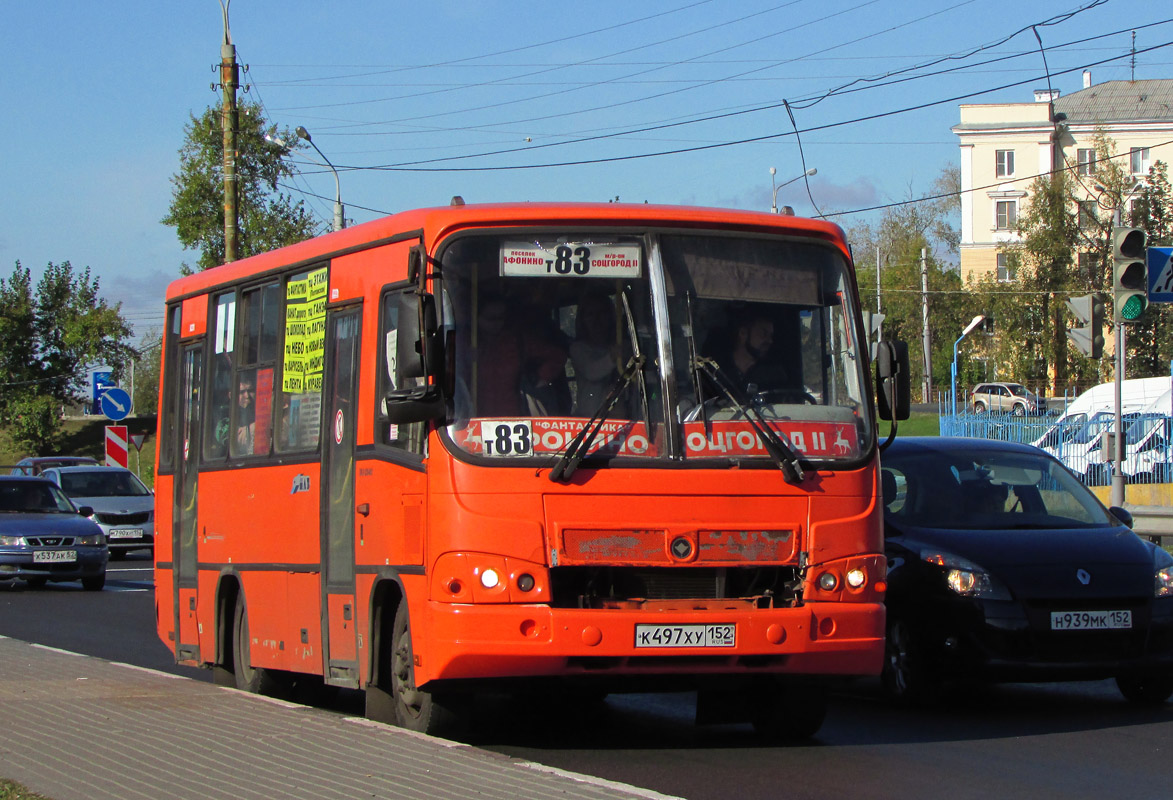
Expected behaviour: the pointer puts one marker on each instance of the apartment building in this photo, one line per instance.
(1005, 146)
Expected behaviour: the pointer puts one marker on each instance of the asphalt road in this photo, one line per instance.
(1048, 741)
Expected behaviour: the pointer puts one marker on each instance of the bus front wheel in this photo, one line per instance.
(257, 680)
(415, 709)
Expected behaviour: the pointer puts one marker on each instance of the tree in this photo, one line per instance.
(48, 336)
(902, 232)
(268, 218)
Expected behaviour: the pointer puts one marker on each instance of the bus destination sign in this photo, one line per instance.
(570, 260)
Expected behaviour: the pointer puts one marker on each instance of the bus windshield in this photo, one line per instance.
(678, 346)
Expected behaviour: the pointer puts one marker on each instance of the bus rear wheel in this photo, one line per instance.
(256, 680)
(415, 709)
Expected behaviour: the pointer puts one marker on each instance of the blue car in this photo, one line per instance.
(45, 537)
(1002, 566)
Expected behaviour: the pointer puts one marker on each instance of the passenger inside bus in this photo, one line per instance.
(594, 353)
(245, 414)
(520, 363)
(747, 358)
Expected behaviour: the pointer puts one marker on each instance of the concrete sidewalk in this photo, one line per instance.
(79, 728)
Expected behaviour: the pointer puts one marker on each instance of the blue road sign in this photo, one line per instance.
(115, 403)
(101, 383)
(1160, 263)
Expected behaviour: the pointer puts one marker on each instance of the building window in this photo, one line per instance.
(1005, 271)
(1085, 263)
(1087, 160)
(1005, 163)
(1006, 214)
(1139, 160)
(1088, 218)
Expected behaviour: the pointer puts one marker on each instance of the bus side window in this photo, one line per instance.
(252, 407)
(218, 429)
(408, 437)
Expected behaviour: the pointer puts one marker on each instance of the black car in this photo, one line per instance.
(1004, 567)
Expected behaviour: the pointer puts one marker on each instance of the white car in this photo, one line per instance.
(124, 507)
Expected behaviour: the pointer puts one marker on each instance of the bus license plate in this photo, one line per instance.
(53, 556)
(125, 533)
(685, 635)
(1090, 620)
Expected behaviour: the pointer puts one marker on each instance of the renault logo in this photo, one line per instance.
(681, 547)
(1084, 576)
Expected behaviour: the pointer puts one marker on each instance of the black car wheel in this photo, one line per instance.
(1146, 690)
(906, 675)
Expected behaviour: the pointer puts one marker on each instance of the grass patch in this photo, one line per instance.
(919, 424)
(14, 791)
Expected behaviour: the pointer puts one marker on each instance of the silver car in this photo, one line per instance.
(124, 507)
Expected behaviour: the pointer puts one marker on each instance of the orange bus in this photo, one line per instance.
(588, 448)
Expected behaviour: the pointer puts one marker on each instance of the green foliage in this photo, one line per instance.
(267, 218)
(48, 336)
(146, 374)
(903, 231)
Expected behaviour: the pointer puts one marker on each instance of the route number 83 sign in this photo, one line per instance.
(570, 260)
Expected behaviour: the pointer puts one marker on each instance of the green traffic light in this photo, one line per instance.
(1133, 307)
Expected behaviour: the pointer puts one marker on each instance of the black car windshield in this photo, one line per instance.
(26, 497)
(102, 483)
(985, 490)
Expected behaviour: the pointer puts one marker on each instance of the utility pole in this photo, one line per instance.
(924, 294)
(229, 79)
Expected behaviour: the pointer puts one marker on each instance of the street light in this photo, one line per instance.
(773, 172)
(339, 217)
(968, 329)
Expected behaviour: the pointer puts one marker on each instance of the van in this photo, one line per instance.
(1147, 456)
(1077, 431)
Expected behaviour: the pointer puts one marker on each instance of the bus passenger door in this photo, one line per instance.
(339, 613)
(184, 527)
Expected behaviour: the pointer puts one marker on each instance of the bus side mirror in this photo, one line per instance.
(893, 388)
(417, 353)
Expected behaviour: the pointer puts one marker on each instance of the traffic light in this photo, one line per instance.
(1088, 336)
(1130, 280)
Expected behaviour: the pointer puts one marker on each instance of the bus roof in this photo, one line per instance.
(432, 224)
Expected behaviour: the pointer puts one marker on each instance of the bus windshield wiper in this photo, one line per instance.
(580, 445)
(777, 444)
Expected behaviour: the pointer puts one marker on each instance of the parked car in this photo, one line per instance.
(1004, 567)
(45, 537)
(37, 464)
(1006, 398)
(123, 506)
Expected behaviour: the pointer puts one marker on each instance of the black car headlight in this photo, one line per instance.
(965, 578)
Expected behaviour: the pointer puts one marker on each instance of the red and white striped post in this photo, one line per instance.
(116, 446)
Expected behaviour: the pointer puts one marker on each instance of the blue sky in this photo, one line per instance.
(97, 96)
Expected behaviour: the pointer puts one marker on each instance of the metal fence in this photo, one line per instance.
(1083, 445)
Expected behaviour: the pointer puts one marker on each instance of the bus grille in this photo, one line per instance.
(604, 587)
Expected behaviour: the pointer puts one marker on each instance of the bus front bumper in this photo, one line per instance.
(501, 641)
